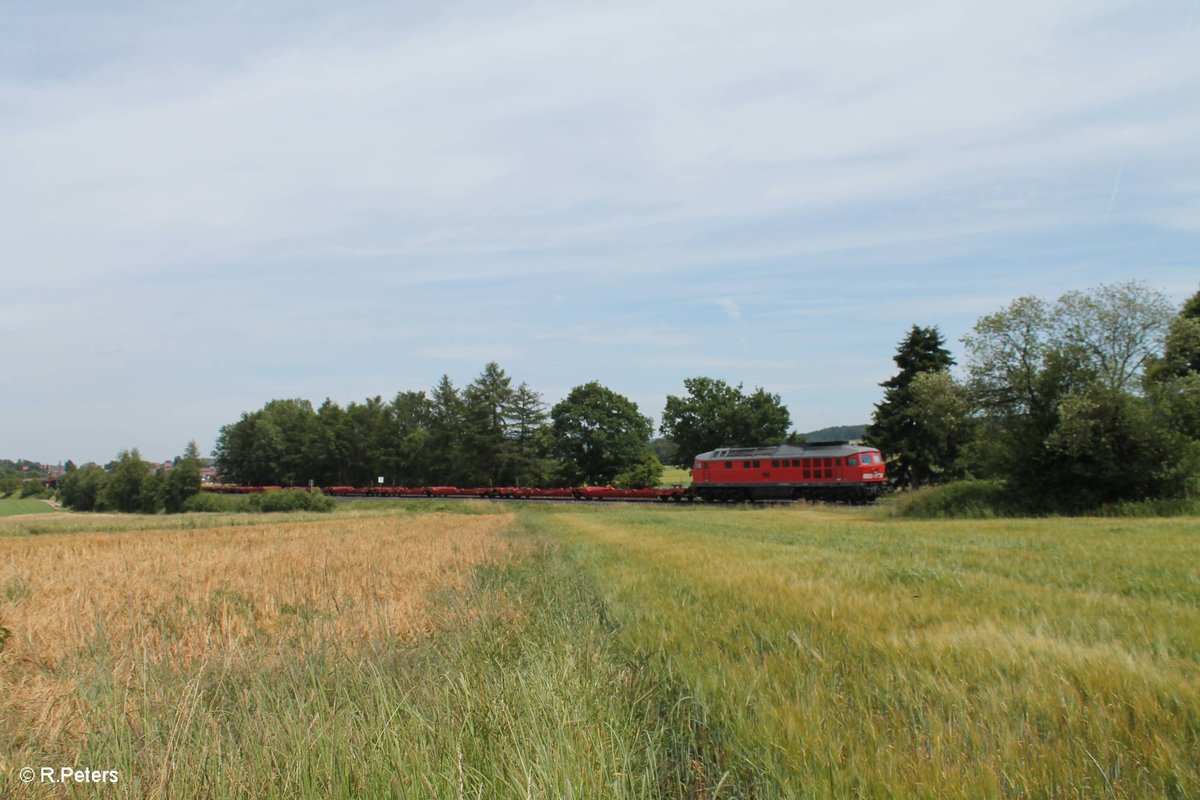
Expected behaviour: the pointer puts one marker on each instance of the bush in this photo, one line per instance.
(974, 499)
(34, 488)
(291, 500)
(1151, 508)
(210, 501)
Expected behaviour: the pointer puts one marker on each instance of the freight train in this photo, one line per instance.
(827, 471)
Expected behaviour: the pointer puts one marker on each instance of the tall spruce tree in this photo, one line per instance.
(526, 415)
(485, 432)
(911, 449)
(446, 465)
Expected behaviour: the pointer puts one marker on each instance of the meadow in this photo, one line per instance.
(490, 650)
(14, 506)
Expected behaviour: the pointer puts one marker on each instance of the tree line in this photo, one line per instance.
(491, 433)
(132, 485)
(1091, 399)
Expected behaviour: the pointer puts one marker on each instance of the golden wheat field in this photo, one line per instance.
(186, 598)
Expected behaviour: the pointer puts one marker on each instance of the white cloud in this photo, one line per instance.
(577, 183)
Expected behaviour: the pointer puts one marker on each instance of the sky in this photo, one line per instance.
(205, 206)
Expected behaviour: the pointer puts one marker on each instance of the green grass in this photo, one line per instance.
(842, 654)
(12, 506)
(706, 652)
(675, 476)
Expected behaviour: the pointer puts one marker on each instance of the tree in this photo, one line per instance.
(10, 482)
(1061, 418)
(324, 450)
(269, 447)
(1113, 330)
(82, 488)
(644, 474)
(485, 433)
(1181, 352)
(915, 455)
(597, 434)
(941, 409)
(445, 433)
(183, 481)
(411, 415)
(526, 416)
(126, 481)
(713, 414)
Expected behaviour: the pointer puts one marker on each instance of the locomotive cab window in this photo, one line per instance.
(851, 462)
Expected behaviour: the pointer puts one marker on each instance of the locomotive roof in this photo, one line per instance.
(809, 449)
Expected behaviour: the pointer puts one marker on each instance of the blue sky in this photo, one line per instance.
(204, 207)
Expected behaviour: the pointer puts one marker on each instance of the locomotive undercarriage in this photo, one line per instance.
(826, 493)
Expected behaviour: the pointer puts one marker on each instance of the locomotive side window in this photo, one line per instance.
(757, 464)
(728, 465)
(775, 462)
(746, 464)
(851, 462)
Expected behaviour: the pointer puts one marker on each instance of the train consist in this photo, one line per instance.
(827, 471)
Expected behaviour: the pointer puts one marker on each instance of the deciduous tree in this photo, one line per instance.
(597, 434)
(713, 414)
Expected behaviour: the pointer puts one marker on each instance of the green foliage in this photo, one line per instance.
(1149, 509)
(918, 429)
(183, 481)
(123, 489)
(276, 500)
(486, 428)
(10, 482)
(597, 434)
(646, 473)
(714, 414)
(1181, 351)
(1114, 330)
(484, 435)
(34, 488)
(212, 502)
(267, 447)
(1059, 418)
(526, 418)
(961, 499)
(290, 500)
(81, 489)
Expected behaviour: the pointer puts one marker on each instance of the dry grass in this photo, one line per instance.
(221, 596)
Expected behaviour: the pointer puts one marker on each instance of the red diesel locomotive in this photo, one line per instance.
(833, 471)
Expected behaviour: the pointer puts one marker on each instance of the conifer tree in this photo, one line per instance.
(910, 448)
